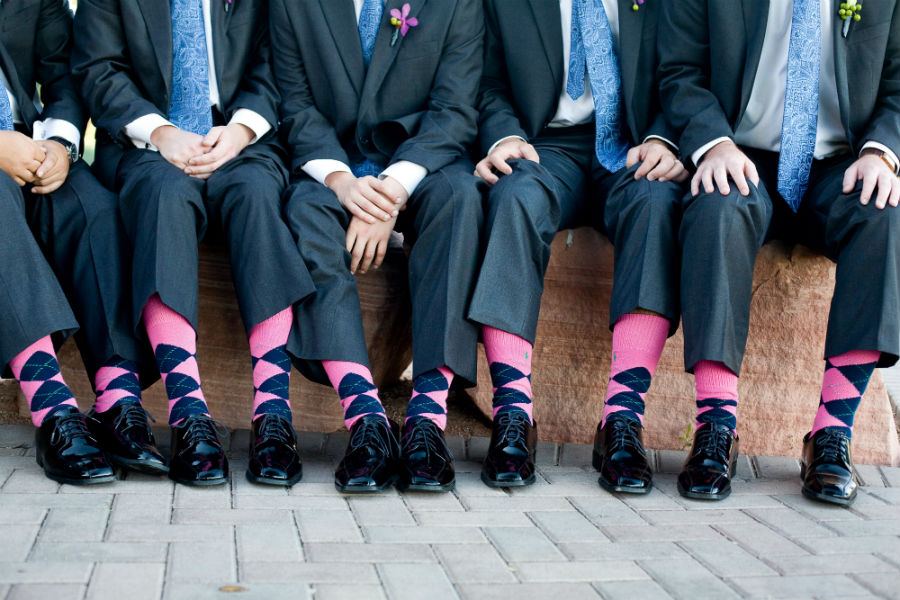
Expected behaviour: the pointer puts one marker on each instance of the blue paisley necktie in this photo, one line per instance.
(6, 120)
(369, 20)
(801, 103)
(189, 108)
(592, 48)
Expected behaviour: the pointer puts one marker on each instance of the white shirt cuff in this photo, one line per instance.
(320, 168)
(668, 142)
(698, 154)
(140, 129)
(408, 174)
(252, 120)
(885, 149)
(503, 139)
(48, 128)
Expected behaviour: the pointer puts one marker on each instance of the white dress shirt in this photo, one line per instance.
(42, 130)
(141, 128)
(760, 126)
(406, 173)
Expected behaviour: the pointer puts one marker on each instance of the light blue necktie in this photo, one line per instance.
(592, 48)
(189, 108)
(6, 120)
(801, 103)
(369, 20)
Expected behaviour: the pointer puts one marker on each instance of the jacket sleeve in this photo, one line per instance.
(258, 91)
(884, 125)
(53, 46)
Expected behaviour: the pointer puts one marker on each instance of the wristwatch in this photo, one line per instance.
(71, 149)
(889, 161)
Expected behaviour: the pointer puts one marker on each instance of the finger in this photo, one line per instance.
(350, 239)
(707, 179)
(34, 165)
(212, 137)
(483, 170)
(632, 158)
(648, 165)
(370, 209)
(884, 191)
(381, 196)
(529, 153)
(211, 155)
(720, 175)
(46, 166)
(740, 180)
(207, 169)
(21, 182)
(500, 164)
(379, 253)
(695, 183)
(675, 171)
(661, 168)
(895, 193)
(356, 254)
(868, 187)
(48, 188)
(850, 179)
(751, 172)
(359, 213)
(368, 255)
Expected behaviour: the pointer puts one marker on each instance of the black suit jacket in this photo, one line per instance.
(416, 102)
(122, 59)
(35, 43)
(709, 55)
(523, 69)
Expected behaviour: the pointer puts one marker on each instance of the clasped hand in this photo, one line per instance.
(199, 156)
(44, 164)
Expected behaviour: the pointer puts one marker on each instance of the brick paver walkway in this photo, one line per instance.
(563, 538)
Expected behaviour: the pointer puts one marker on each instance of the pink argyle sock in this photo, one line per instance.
(271, 365)
(429, 396)
(116, 382)
(717, 394)
(845, 382)
(509, 358)
(353, 383)
(37, 370)
(637, 344)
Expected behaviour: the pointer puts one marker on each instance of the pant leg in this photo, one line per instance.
(165, 218)
(244, 199)
(329, 323)
(32, 303)
(443, 222)
(720, 236)
(523, 213)
(641, 219)
(865, 243)
(82, 233)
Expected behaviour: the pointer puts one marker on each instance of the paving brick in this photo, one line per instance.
(336, 443)
(327, 591)
(268, 541)
(605, 509)
(799, 586)
(583, 571)
(467, 466)
(17, 541)
(888, 545)
(18, 461)
(790, 523)
(891, 476)
(686, 578)
(377, 510)
(575, 455)
(423, 535)
(44, 572)
(820, 511)
(75, 524)
(470, 484)
(883, 584)
(778, 467)
(323, 552)
(523, 544)
(654, 533)
(889, 495)
(759, 540)
(726, 559)
(307, 503)
(477, 448)
(670, 461)
(42, 591)
(22, 516)
(570, 476)
(125, 580)
(457, 445)
(119, 552)
(327, 526)
(229, 516)
(406, 581)
(655, 500)
(316, 470)
(275, 572)
(317, 489)
(621, 550)
(874, 527)
(240, 485)
(218, 591)
(474, 563)
(743, 468)
(697, 517)
(419, 503)
(131, 508)
(202, 497)
(310, 443)
(528, 591)
(201, 562)
(518, 503)
(149, 532)
(30, 481)
(546, 454)
(869, 475)
(478, 518)
(567, 527)
(821, 564)
(144, 485)
(629, 590)
(11, 500)
(733, 502)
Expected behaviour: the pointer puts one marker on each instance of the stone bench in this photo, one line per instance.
(779, 384)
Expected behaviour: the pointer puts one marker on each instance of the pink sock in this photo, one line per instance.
(845, 382)
(116, 381)
(637, 344)
(509, 358)
(429, 396)
(271, 365)
(353, 383)
(37, 370)
(717, 394)
(174, 344)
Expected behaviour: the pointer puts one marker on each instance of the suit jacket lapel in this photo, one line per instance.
(756, 14)
(384, 54)
(341, 18)
(159, 25)
(219, 20)
(630, 45)
(549, 26)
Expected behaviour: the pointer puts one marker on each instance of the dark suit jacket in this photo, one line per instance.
(35, 42)
(523, 69)
(709, 55)
(122, 60)
(415, 103)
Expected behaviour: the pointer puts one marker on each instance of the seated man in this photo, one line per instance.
(791, 112)
(571, 138)
(75, 226)
(377, 107)
(185, 105)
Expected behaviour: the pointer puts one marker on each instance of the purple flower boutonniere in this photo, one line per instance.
(849, 12)
(634, 4)
(401, 21)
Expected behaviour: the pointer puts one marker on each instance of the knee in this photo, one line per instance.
(522, 193)
(10, 194)
(718, 212)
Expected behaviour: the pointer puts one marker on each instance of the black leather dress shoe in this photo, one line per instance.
(274, 458)
(426, 463)
(510, 458)
(68, 452)
(124, 432)
(826, 467)
(620, 457)
(197, 455)
(707, 472)
(372, 457)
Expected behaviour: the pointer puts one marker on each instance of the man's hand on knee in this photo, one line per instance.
(874, 173)
(722, 161)
(502, 152)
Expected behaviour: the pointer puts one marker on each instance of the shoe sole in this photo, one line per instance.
(503, 484)
(419, 487)
(139, 466)
(365, 489)
(611, 487)
(200, 482)
(699, 496)
(73, 481)
(270, 481)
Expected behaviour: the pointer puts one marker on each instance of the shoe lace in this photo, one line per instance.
(512, 428)
(70, 427)
(425, 436)
(367, 434)
(713, 442)
(133, 416)
(202, 429)
(624, 436)
(276, 428)
(830, 446)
